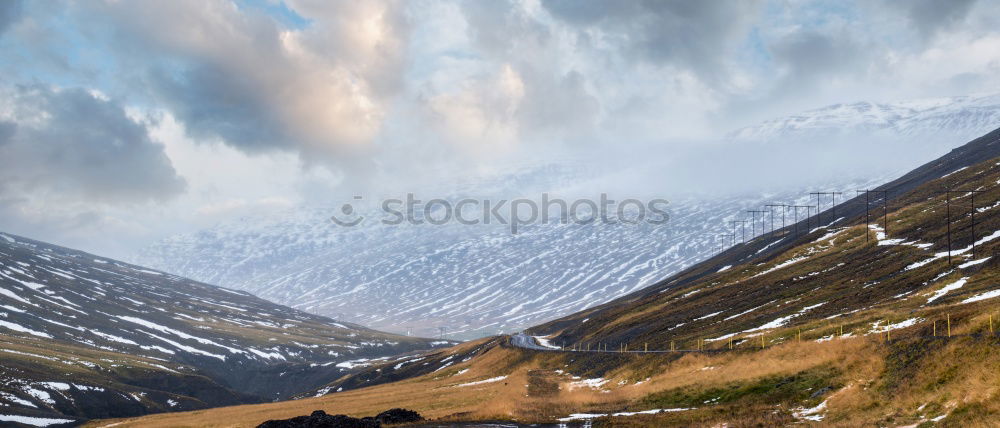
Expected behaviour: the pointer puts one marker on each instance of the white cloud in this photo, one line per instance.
(385, 94)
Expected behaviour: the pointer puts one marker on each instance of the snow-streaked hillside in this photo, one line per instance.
(85, 336)
(958, 118)
(478, 280)
(472, 280)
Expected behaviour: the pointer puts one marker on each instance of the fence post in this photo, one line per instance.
(645, 347)
(672, 346)
(991, 324)
(935, 328)
(762, 341)
(798, 335)
(949, 325)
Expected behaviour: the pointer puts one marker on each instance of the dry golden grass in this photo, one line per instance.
(436, 396)
(908, 382)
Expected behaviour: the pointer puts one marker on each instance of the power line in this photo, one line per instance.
(833, 205)
(743, 229)
(796, 208)
(867, 214)
(753, 217)
(972, 194)
(770, 208)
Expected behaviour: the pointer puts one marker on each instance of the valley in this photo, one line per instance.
(842, 324)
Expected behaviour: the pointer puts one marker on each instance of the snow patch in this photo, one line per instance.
(480, 382)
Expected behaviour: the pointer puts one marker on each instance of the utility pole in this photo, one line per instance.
(948, 213)
(796, 208)
(833, 208)
(833, 205)
(743, 229)
(710, 236)
(818, 205)
(867, 214)
(885, 208)
(753, 227)
(770, 207)
(947, 199)
(972, 213)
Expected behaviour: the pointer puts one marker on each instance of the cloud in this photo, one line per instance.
(238, 75)
(693, 35)
(74, 167)
(521, 87)
(928, 17)
(810, 58)
(72, 144)
(10, 12)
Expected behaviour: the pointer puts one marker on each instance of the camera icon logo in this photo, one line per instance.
(347, 211)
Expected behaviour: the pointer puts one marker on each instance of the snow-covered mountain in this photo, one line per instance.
(477, 280)
(471, 280)
(959, 118)
(83, 336)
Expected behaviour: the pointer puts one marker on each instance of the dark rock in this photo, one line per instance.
(398, 416)
(319, 419)
(821, 392)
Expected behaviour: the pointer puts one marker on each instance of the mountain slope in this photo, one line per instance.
(82, 336)
(829, 272)
(962, 118)
(476, 281)
(472, 280)
(818, 328)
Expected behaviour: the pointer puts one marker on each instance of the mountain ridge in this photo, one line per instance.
(84, 336)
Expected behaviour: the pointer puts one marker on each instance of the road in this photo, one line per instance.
(525, 341)
(522, 340)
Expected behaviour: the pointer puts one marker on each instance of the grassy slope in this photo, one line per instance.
(861, 377)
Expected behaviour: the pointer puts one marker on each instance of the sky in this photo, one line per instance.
(125, 121)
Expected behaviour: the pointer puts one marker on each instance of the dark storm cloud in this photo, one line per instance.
(691, 34)
(929, 17)
(6, 131)
(811, 55)
(214, 103)
(10, 11)
(73, 145)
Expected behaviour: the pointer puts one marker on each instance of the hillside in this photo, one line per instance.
(82, 336)
(473, 280)
(478, 280)
(962, 117)
(828, 327)
(765, 257)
